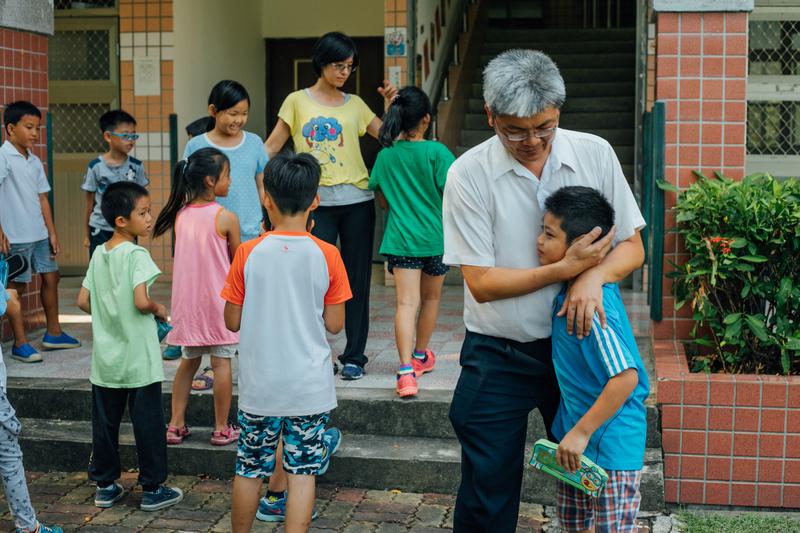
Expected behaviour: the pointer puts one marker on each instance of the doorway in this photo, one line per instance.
(289, 69)
(83, 84)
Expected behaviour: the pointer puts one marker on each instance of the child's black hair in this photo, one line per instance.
(405, 113)
(199, 126)
(225, 95)
(580, 209)
(292, 181)
(111, 120)
(332, 47)
(14, 112)
(119, 200)
(189, 182)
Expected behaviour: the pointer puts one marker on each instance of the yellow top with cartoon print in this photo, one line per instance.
(331, 135)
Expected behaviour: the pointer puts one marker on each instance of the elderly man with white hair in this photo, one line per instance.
(493, 210)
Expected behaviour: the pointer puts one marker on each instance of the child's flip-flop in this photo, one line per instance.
(204, 380)
(175, 435)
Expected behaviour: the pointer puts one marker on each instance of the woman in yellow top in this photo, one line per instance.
(327, 123)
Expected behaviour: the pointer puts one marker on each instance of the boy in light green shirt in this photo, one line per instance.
(126, 359)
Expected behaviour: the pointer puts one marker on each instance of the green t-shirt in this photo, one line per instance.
(125, 350)
(411, 174)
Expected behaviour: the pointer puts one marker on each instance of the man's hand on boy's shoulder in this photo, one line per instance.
(570, 449)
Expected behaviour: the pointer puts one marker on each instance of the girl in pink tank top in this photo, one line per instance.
(206, 238)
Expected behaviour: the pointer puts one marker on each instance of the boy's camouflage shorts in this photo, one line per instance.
(303, 447)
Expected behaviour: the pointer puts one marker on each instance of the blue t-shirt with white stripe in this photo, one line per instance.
(583, 368)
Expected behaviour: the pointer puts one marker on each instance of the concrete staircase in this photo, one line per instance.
(598, 67)
(388, 443)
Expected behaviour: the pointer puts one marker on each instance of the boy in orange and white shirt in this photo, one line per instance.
(283, 291)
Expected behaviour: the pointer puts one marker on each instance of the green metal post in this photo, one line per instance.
(657, 263)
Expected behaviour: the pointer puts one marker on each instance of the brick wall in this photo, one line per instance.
(146, 31)
(396, 15)
(23, 76)
(727, 439)
(701, 75)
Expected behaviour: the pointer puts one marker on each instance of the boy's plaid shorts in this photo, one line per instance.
(614, 511)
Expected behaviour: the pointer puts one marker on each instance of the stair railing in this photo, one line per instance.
(440, 91)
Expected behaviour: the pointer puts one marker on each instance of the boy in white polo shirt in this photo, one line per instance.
(283, 291)
(26, 222)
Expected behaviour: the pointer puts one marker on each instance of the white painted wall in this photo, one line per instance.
(216, 40)
(425, 16)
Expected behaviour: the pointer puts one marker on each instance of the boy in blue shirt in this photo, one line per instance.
(119, 132)
(602, 380)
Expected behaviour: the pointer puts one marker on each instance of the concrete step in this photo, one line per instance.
(627, 87)
(571, 120)
(366, 461)
(579, 104)
(598, 48)
(560, 35)
(617, 137)
(360, 411)
(581, 59)
(577, 61)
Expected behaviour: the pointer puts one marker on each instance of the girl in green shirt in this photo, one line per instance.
(409, 174)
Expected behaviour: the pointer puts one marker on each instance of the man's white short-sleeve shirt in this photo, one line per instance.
(493, 210)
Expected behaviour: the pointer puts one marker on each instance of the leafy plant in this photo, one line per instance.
(742, 280)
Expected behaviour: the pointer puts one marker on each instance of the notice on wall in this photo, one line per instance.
(147, 76)
(396, 38)
(395, 76)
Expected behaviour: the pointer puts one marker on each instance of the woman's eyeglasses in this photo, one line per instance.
(344, 67)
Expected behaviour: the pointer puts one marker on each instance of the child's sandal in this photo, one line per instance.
(227, 436)
(175, 435)
(204, 380)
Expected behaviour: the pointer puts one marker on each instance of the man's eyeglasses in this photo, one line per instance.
(126, 136)
(344, 67)
(543, 134)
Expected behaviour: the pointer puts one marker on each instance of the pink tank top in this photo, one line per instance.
(200, 267)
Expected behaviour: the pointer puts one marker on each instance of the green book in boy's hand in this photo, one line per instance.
(589, 478)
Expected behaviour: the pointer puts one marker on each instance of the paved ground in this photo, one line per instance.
(446, 341)
(67, 499)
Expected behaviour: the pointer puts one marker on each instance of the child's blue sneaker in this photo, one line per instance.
(25, 353)
(59, 342)
(107, 496)
(272, 509)
(160, 498)
(332, 439)
(171, 352)
(352, 372)
(41, 528)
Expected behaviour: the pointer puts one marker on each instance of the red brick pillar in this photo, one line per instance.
(23, 76)
(701, 75)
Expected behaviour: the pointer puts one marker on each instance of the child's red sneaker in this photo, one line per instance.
(422, 366)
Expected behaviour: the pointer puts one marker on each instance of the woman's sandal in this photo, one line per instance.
(204, 380)
(175, 435)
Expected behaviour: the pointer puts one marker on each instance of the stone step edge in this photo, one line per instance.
(408, 464)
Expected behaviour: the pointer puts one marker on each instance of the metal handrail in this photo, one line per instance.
(441, 89)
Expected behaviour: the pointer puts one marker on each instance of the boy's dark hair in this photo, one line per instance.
(14, 112)
(580, 209)
(120, 199)
(405, 113)
(111, 120)
(332, 47)
(292, 181)
(200, 126)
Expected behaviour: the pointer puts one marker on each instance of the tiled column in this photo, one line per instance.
(23, 76)
(396, 16)
(701, 75)
(146, 32)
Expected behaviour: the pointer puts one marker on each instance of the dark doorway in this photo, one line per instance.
(289, 69)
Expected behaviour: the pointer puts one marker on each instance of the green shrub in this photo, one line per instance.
(742, 280)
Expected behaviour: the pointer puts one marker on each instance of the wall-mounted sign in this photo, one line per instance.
(396, 39)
